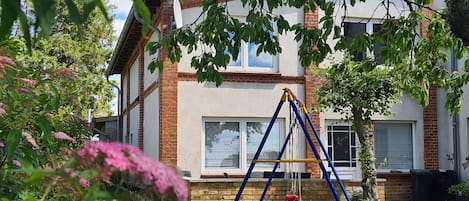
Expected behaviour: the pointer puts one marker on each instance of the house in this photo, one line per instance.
(209, 131)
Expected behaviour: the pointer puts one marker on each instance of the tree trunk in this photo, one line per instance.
(366, 155)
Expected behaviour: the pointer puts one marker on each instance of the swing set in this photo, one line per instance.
(295, 105)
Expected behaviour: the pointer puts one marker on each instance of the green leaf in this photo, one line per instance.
(103, 9)
(73, 11)
(88, 6)
(45, 126)
(144, 13)
(36, 175)
(45, 11)
(7, 17)
(13, 140)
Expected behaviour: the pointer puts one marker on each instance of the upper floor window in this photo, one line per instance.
(230, 144)
(352, 29)
(248, 60)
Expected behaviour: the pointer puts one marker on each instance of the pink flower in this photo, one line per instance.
(2, 145)
(30, 139)
(84, 183)
(49, 115)
(7, 60)
(63, 136)
(3, 112)
(28, 81)
(24, 90)
(163, 179)
(16, 163)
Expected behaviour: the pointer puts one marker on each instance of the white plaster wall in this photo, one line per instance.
(407, 111)
(288, 62)
(445, 133)
(439, 4)
(124, 92)
(124, 128)
(148, 76)
(134, 80)
(133, 130)
(151, 124)
(239, 100)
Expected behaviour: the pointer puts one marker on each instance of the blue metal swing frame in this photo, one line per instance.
(295, 104)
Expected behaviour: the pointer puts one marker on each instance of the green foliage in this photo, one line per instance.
(361, 85)
(460, 189)
(83, 51)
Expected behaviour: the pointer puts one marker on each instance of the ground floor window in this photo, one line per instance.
(230, 144)
(342, 145)
(393, 145)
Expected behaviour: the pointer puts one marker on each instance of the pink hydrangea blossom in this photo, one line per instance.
(63, 136)
(7, 60)
(162, 178)
(84, 183)
(16, 163)
(30, 139)
(28, 81)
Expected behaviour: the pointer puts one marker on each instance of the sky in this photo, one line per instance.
(121, 12)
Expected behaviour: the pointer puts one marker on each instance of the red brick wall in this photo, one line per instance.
(398, 186)
(141, 100)
(168, 98)
(311, 84)
(430, 131)
(430, 116)
(317, 190)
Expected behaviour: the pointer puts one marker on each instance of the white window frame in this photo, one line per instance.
(369, 29)
(243, 164)
(414, 149)
(244, 58)
(357, 144)
(341, 123)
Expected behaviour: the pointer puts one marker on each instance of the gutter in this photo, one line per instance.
(455, 124)
(118, 130)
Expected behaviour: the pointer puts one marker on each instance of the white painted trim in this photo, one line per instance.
(243, 144)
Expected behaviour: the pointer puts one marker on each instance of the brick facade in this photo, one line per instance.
(398, 186)
(312, 189)
(168, 97)
(311, 84)
(430, 115)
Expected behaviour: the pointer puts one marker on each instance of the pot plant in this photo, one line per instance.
(461, 191)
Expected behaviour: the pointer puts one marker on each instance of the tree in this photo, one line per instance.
(81, 51)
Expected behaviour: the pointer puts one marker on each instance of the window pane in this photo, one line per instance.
(393, 146)
(233, 63)
(271, 149)
(264, 60)
(350, 31)
(341, 146)
(222, 144)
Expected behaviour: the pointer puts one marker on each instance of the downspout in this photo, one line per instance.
(455, 124)
(119, 136)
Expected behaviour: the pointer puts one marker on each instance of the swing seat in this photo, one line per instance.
(291, 197)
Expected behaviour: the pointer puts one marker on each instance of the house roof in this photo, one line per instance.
(128, 39)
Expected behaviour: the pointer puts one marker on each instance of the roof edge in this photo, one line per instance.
(125, 30)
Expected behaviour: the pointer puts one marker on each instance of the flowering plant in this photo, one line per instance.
(44, 153)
